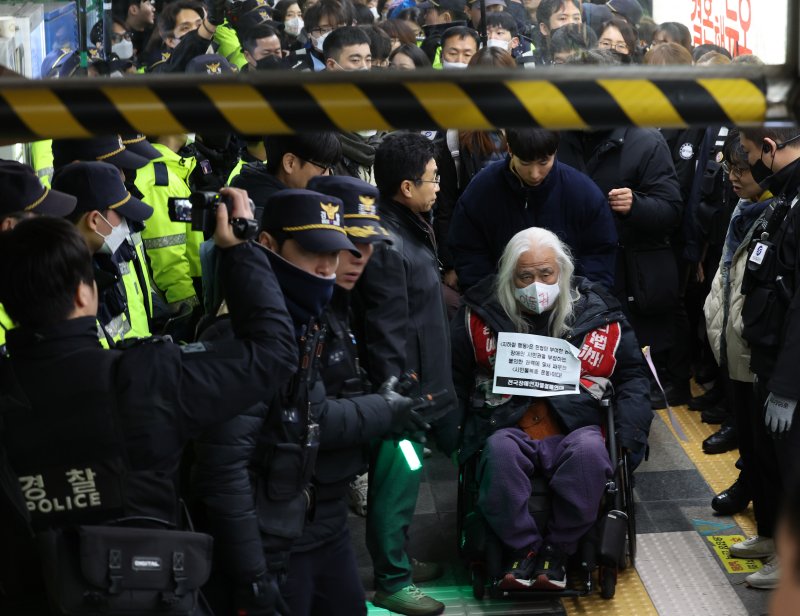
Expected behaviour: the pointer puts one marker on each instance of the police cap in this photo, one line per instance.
(138, 144)
(23, 192)
(108, 149)
(209, 64)
(313, 219)
(98, 186)
(361, 219)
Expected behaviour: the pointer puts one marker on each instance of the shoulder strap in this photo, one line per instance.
(161, 174)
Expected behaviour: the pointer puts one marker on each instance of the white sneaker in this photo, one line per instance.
(767, 577)
(357, 494)
(753, 547)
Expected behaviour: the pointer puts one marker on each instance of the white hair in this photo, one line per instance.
(562, 312)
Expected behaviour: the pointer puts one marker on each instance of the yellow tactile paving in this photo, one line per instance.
(719, 470)
(631, 599)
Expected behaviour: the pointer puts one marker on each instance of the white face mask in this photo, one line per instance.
(375, 13)
(453, 65)
(123, 49)
(497, 43)
(538, 297)
(115, 239)
(293, 26)
(318, 42)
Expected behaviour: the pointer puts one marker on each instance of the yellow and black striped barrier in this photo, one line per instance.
(279, 103)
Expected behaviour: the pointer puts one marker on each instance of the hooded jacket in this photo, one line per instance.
(595, 308)
(497, 204)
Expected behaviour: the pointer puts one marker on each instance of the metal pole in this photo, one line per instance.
(82, 33)
(108, 28)
(484, 36)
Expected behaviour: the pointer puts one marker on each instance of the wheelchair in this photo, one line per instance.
(608, 547)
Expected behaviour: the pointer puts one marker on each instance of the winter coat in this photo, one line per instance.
(595, 308)
(399, 313)
(723, 309)
(639, 159)
(771, 311)
(497, 204)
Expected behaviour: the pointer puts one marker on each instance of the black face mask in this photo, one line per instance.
(761, 173)
(270, 63)
(306, 295)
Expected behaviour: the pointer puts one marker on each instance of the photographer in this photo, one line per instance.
(120, 417)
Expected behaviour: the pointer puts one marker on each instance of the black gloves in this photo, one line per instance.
(261, 597)
(405, 421)
(216, 12)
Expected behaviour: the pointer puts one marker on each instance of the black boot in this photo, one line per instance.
(709, 399)
(724, 439)
(733, 500)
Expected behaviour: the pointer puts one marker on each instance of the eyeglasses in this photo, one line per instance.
(317, 32)
(118, 38)
(618, 47)
(326, 169)
(436, 180)
(736, 171)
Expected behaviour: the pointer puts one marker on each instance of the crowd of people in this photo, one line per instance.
(338, 298)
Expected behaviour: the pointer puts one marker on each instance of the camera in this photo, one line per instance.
(200, 210)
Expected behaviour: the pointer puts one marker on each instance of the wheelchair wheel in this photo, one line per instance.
(478, 581)
(608, 582)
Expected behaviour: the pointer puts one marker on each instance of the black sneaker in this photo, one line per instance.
(521, 573)
(551, 569)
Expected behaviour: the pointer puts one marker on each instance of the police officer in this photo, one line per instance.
(772, 329)
(24, 196)
(102, 216)
(276, 443)
(323, 572)
(130, 155)
(120, 418)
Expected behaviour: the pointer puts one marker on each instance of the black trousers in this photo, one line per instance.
(325, 581)
(768, 463)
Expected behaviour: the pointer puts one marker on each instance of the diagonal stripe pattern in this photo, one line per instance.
(79, 108)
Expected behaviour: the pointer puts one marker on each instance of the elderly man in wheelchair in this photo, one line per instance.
(535, 292)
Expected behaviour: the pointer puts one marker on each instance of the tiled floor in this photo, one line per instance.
(678, 573)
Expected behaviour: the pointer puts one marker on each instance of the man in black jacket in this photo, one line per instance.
(292, 160)
(253, 473)
(771, 326)
(402, 324)
(122, 416)
(633, 167)
(323, 572)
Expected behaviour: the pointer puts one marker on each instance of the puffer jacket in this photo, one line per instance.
(595, 308)
(723, 312)
(229, 474)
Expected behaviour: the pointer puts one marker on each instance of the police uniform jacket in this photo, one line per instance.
(169, 245)
(771, 312)
(595, 308)
(400, 315)
(232, 476)
(163, 395)
(365, 417)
